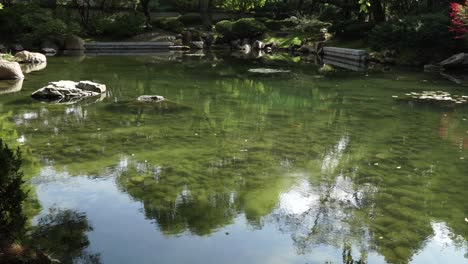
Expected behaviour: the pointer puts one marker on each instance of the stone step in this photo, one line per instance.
(350, 54)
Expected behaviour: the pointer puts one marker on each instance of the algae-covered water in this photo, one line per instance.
(309, 166)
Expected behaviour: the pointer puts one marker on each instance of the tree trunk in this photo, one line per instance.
(377, 11)
(146, 11)
(205, 11)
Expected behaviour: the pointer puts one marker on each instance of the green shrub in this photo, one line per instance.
(191, 19)
(42, 24)
(12, 195)
(170, 24)
(311, 27)
(273, 24)
(30, 24)
(248, 28)
(424, 33)
(329, 12)
(119, 25)
(7, 56)
(9, 26)
(352, 28)
(241, 5)
(280, 24)
(224, 27)
(242, 28)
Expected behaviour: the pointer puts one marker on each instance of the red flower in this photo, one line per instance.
(459, 19)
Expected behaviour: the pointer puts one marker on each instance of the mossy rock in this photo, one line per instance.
(243, 28)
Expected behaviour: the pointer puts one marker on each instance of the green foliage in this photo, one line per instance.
(242, 28)
(426, 32)
(329, 12)
(31, 24)
(248, 28)
(364, 6)
(170, 24)
(241, 5)
(118, 25)
(295, 39)
(280, 24)
(311, 27)
(7, 56)
(352, 28)
(224, 27)
(12, 218)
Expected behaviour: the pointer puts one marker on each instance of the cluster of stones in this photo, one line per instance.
(30, 61)
(437, 96)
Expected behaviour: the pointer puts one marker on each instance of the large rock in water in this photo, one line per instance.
(459, 60)
(73, 42)
(10, 70)
(30, 57)
(69, 90)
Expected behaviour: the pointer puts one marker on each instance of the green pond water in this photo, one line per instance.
(300, 167)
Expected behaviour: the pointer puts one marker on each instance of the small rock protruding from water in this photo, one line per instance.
(435, 97)
(150, 98)
(268, 71)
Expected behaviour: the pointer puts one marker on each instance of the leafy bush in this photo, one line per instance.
(171, 24)
(117, 26)
(329, 12)
(30, 24)
(12, 218)
(426, 32)
(7, 57)
(242, 28)
(280, 24)
(10, 23)
(224, 27)
(241, 5)
(273, 24)
(42, 23)
(248, 28)
(311, 27)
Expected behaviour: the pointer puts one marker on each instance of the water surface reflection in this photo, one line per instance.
(304, 168)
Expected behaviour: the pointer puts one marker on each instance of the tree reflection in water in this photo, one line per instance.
(60, 234)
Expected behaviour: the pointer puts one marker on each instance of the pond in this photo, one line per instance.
(300, 166)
